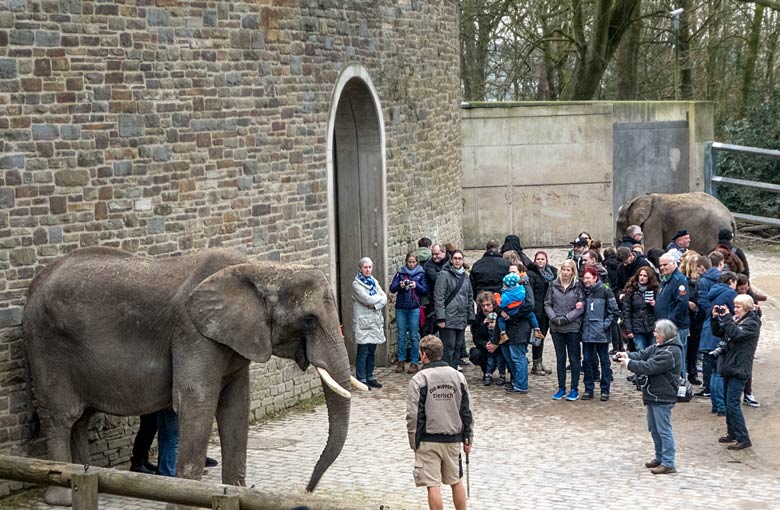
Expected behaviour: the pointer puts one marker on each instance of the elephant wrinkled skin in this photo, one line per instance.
(660, 216)
(109, 331)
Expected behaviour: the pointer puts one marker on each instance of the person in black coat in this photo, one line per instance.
(630, 262)
(486, 352)
(740, 334)
(540, 274)
(488, 272)
(512, 242)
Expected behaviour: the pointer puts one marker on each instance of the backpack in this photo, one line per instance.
(730, 259)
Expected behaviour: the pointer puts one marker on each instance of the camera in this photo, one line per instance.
(720, 349)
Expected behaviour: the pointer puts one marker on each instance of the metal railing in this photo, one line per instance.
(86, 481)
(711, 177)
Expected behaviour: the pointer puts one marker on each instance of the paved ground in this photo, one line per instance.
(530, 451)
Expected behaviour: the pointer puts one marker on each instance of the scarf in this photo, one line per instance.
(459, 271)
(369, 282)
(642, 288)
(547, 273)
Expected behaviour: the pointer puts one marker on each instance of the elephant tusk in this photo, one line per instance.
(332, 384)
(357, 384)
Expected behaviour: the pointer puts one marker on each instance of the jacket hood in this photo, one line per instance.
(675, 340)
(628, 239)
(717, 290)
(712, 274)
(451, 269)
(492, 254)
(511, 242)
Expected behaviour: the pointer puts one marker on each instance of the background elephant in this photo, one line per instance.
(109, 331)
(660, 216)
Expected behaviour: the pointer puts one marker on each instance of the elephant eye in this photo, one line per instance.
(309, 322)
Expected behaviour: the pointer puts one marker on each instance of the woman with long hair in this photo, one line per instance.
(638, 307)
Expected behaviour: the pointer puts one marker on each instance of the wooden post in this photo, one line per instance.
(225, 502)
(85, 491)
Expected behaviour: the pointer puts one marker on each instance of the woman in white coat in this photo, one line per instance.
(368, 299)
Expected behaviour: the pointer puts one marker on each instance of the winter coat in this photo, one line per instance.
(612, 263)
(560, 307)
(629, 242)
(460, 310)
(600, 311)
(539, 286)
(432, 270)
(672, 301)
(488, 272)
(742, 337)
(638, 315)
(703, 287)
(720, 295)
(409, 299)
(368, 324)
(661, 364)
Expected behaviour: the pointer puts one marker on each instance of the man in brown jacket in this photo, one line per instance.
(438, 420)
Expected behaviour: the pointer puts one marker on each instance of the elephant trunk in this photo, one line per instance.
(338, 425)
(330, 353)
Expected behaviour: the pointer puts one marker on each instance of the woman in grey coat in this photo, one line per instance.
(564, 305)
(453, 305)
(368, 324)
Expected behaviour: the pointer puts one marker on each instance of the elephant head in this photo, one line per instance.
(634, 212)
(259, 310)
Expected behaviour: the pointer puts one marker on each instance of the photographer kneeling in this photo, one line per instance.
(660, 364)
(736, 352)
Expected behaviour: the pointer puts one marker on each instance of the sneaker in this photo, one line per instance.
(559, 394)
(487, 380)
(504, 338)
(604, 397)
(705, 393)
(373, 383)
(573, 395)
(512, 389)
(501, 381)
(751, 401)
(587, 396)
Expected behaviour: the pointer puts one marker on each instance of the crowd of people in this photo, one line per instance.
(662, 312)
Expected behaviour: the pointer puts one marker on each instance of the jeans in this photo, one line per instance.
(495, 360)
(717, 395)
(167, 441)
(659, 423)
(641, 341)
(517, 360)
(592, 353)
(683, 334)
(408, 321)
(453, 340)
(364, 362)
(735, 421)
(567, 344)
(708, 366)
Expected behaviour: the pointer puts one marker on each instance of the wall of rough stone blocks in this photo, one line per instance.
(164, 127)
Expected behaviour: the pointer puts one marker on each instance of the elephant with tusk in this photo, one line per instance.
(109, 331)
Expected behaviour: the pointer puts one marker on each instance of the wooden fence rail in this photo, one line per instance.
(86, 481)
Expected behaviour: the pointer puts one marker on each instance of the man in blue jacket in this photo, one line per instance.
(672, 302)
(709, 268)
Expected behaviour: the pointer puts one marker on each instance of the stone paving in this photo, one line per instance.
(529, 451)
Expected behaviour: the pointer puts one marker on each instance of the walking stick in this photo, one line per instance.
(468, 480)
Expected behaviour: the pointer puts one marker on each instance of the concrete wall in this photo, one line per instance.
(167, 127)
(546, 171)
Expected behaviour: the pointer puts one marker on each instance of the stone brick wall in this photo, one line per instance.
(164, 127)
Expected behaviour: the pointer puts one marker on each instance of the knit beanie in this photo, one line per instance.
(511, 280)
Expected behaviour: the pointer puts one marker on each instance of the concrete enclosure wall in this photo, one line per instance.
(166, 127)
(546, 171)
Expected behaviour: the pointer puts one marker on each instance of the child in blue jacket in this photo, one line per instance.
(512, 297)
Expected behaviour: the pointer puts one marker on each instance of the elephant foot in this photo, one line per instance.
(58, 496)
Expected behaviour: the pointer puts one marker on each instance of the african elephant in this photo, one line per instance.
(660, 216)
(109, 331)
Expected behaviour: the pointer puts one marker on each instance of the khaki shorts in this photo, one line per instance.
(436, 464)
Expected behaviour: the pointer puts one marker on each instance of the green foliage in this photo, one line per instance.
(759, 127)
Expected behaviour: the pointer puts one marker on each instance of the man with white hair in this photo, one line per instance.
(672, 300)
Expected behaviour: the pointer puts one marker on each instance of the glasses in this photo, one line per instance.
(457, 258)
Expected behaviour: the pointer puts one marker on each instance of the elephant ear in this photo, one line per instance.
(228, 307)
(641, 207)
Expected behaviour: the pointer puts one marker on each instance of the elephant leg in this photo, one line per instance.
(195, 421)
(79, 439)
(233, 424)
(58, 444)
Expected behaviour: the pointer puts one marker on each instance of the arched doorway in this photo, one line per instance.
(356, 190)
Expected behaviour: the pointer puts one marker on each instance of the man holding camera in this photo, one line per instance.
(660, 364)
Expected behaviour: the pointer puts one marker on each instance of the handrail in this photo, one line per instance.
(156, 488)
